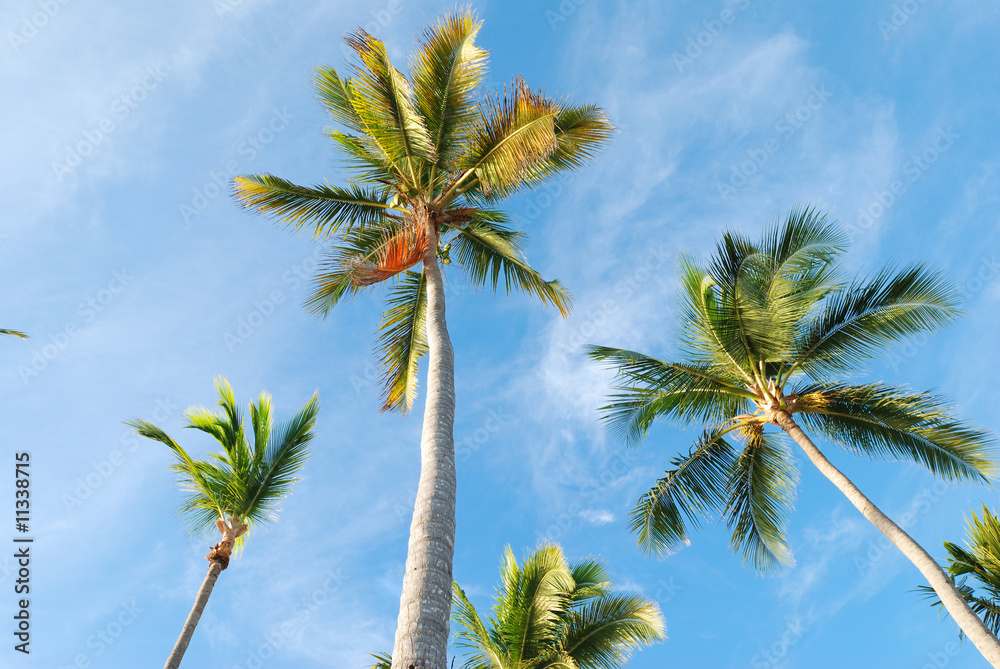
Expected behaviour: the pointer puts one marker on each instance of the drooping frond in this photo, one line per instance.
(692, 490)
(489, 251)
(761, 495)
(446, 75)
(647, 388)
(605, 631)
(14, 333)
(324, 207)
(866, 317)
(402, 340)
(887, 422)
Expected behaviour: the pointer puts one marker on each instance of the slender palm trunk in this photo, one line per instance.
(177, 654)
(425, 604)
(967, 620)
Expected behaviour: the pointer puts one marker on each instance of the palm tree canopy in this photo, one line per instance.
(550, 614)
(771, 325)
(976, 569)
(427, 146)
(252, 473)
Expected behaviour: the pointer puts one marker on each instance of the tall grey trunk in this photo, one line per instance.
(425, 604)
(177, 654)
(967, 620)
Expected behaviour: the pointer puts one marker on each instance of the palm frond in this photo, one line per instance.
(489, 250)
(474, 635)
(888, 422)
(446, 75)
(514, 135)
(381, 98)
(761, 496)
(14, 333)
(603, 632)
(324, 207)
(692, 489)
(402, 337)
(868, 316)
(647, 388)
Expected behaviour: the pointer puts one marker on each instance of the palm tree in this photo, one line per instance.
(549, 614)
(981, 564)
(431, 157)
(237, 488)
(552, 615)
(768, 333)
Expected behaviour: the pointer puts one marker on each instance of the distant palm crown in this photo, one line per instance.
(769, 326)
(428, 149)
(550, 614)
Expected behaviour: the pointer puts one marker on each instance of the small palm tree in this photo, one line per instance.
(237, 488)
(980, 564)
(550, 615)
(768, 331)
(432, 157)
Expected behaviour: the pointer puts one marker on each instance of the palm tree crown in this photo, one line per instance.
(770, 329)
(243, 484)
(976, 569)
(431, 155)
(550, 614)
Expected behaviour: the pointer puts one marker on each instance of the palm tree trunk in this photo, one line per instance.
(177, 654)
(967, 620)
(425, 604)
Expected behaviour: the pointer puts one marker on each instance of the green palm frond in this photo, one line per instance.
(381, 97)
(691, 491)
(14, 333)
(382, 661)
(402, 340)
(446, 75)
(515, 134)
(604, 631)
(868, 316)
(549, 614)
(887, 422)
(708, 332)
(761, 497)
(247, 479)
(976, 570)
(325, 208)
(474, 635)
(489, 250)
(647, 388)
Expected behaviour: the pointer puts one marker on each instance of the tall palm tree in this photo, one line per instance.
(237, 488)
(549, 614)
(768, 332)
(431, 157)
(980, 564)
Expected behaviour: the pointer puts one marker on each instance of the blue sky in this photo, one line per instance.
(140, 280)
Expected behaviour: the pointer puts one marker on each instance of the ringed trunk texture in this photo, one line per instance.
(967, 620)
(177, 654)
(425, 604)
